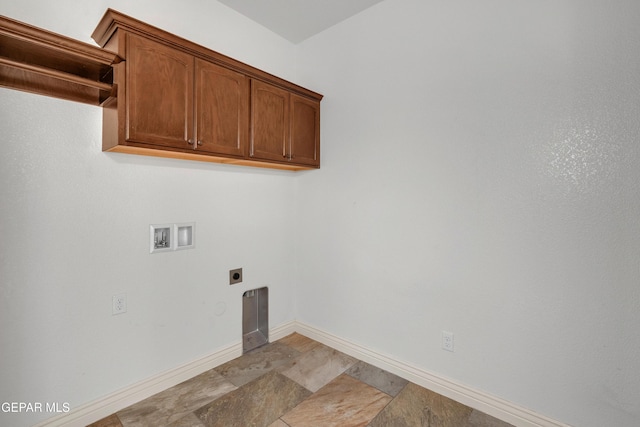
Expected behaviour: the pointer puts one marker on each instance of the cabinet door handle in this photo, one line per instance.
(199, 142)
(190, 142)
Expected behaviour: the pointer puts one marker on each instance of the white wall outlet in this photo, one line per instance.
(447, 341)
(119, 304)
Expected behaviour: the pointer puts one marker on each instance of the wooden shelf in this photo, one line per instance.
(39, 61)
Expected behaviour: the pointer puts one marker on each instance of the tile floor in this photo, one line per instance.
(297, 382)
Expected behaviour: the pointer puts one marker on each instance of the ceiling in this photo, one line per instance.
(297, 20)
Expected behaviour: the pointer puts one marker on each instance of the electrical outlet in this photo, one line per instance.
(119, 304)
(235, 276)
(447, 341)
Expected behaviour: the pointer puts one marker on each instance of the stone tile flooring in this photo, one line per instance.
(298, 382)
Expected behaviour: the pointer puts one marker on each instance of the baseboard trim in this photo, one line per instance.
(496, 407)
(282, 331)
(114, 402)
(100, 408)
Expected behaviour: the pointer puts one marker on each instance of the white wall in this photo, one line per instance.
(480, 175)
(74, 227)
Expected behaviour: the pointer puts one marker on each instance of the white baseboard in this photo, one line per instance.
(282, 331)
(98, 409)
(496, 407)
(114, 402)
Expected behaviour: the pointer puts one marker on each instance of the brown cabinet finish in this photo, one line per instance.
(159, 98)
(284, 126)
(269, 122)
(305, 130)
(222, 110)
(175, 100)
(178, 99)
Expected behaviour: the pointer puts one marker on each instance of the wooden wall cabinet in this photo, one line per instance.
(178, 99)
(222, 106)
(174, 101)
(305, 130)
(158, 101)
(285, 127)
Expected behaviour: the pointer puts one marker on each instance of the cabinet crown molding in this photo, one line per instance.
(114, 20)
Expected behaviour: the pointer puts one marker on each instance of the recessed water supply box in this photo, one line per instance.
(172, 237)
(185, 235)
(161, 237)
(255, 318)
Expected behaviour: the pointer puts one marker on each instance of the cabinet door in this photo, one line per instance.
(305, 131)
(222, 110)
(269, 122)
(159, 94)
